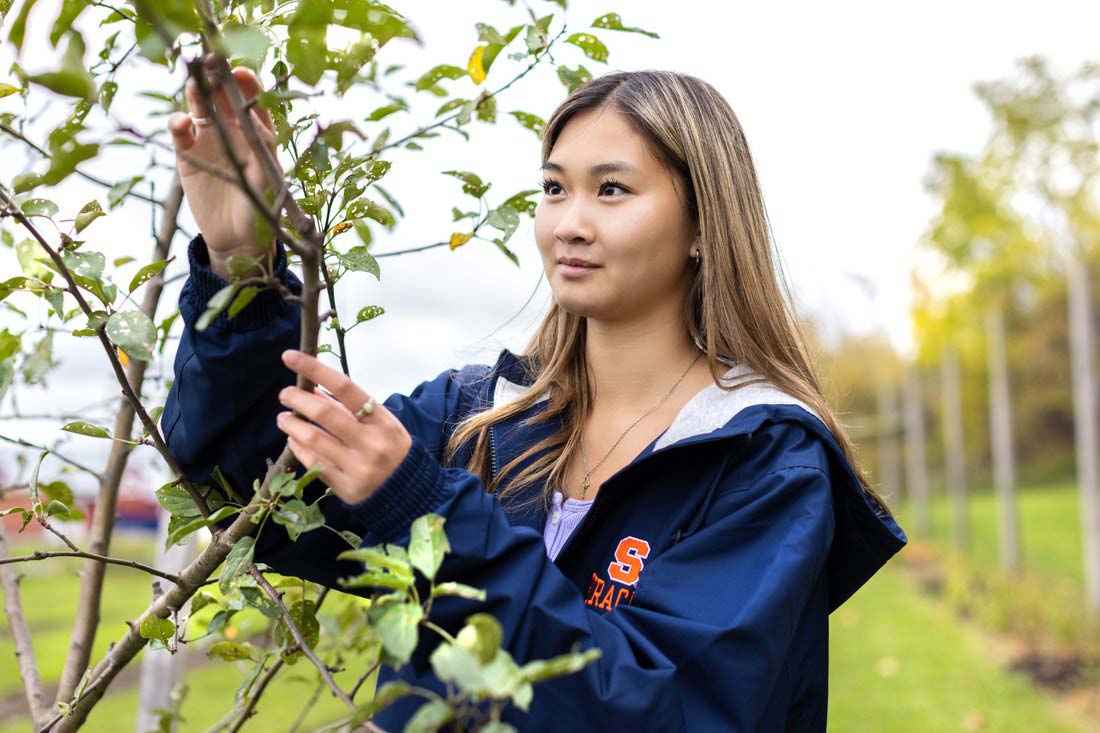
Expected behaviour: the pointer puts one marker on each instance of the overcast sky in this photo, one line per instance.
(843, 104)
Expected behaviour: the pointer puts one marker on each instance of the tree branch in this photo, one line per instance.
(21, 635)
(40, 555)
(326, 675)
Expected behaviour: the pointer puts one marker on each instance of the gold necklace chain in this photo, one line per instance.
(584, 458)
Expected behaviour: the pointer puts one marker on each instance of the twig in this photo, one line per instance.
(45, 524)
(326, 675)
(61, 457)
(40, 555)
(9, 130)
(21, 635)
(368, 673)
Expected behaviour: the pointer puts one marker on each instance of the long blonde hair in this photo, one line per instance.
(737, 305)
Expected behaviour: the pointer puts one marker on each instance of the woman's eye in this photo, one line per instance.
(547, 185)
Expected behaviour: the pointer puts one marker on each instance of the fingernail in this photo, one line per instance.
(290, 357)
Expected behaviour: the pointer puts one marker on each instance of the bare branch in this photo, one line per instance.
(326, 675)
(40, 555)
(24, 650)
(71, 462)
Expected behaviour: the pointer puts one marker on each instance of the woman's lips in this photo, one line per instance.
(575, 270)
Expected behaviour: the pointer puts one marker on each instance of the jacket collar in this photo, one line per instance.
(865, 536)
(709, 410)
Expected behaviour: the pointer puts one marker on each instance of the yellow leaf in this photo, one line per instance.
(122, 356)
(341, 228)
(8, 89)
(474, 67)
(457, 239)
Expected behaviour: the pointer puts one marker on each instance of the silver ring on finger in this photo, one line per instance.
(366, 410)
(201, 121)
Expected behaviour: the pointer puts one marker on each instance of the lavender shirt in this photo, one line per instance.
(562, 520)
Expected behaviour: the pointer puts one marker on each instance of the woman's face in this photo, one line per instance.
(629, 221)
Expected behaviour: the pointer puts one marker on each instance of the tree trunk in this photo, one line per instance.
(916, 469)
(1000, 434)
(161, 670)
(1082, 359)
(889, 455)
(954, 447)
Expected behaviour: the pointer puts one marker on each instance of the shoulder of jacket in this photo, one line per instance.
(785, 437)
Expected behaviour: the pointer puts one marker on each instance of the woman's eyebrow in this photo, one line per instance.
(599, 169)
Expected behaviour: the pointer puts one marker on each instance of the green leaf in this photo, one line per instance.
(358, 259)
(39, 361)
(397, 629)
(236, 563)
(544, 669)
(134, 332)
(83, 428)
(429, 717)
(85, 264)
(121, 190)
(70, 9)
(592, 46)
(182, 531)
(25, 182)
(176, 501)
(369, 312)
(573, 78)
(87, 215)
(248, 42)
(532, 122)
(231, 651)
(428, 544)
(298, 517)
(39, 207)
(472, 184)
(458, 589)
(244, 297)
(238, 265)
(57, 509)
(154, 627)
(217, 303)
(200, 600)
(375, 559)
(481, 635)
(429, 81)
(72, 79)
(304, 615)
(612, 22)
(146, 273)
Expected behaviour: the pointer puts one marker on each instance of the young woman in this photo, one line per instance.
(656, 475)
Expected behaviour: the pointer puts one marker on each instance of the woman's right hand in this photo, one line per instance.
(224, 213)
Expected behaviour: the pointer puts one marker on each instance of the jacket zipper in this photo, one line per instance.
(493, 443)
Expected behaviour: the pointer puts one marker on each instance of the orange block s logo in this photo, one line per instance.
(628, 564)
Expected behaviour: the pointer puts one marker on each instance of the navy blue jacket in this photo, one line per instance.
(705, 570)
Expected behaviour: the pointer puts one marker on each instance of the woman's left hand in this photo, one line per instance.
(356, 456)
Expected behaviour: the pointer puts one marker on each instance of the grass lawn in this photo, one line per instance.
(1050, 531)
(901, 661)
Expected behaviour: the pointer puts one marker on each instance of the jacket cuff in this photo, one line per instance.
(416, 488)
(203, 283)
